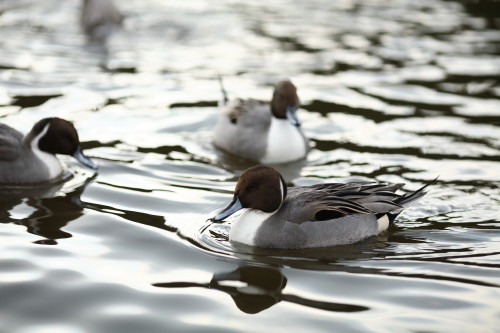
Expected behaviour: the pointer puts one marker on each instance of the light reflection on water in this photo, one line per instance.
(391, 91)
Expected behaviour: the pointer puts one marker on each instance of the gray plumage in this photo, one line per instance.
(17, 160)
(328, 214)
(237, 126)
(278, 233)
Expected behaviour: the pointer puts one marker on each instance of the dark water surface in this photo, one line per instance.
(391, 90)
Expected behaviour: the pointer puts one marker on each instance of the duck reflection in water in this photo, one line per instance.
(256, 288)
(48, 211)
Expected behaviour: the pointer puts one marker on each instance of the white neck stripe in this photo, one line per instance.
(282, 191)
(34, 142)
(49, 160)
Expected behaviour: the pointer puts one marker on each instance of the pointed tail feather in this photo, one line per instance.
(224, 93)
(408, 199)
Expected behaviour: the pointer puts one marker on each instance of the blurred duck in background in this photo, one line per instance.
(263, 132)
(99, 19)
(31, 159)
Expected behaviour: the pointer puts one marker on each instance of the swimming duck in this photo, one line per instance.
(267, 133)
(31, 159)
(274, 216)
(99, 18)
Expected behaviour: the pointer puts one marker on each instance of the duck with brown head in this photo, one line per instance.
(31, 159)
(267, 133)
(274, 216)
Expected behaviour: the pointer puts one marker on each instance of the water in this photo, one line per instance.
(398, 91)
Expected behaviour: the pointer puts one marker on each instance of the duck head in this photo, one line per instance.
(259, 187)
(59, 136)
(285, 102)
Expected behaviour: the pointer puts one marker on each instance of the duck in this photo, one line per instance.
(99, 19)
(31, 159)
(268, 214)
(268, 133)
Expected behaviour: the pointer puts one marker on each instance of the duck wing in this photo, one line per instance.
(10, 143)
(242, 128)
(248, 113)
(330, 201)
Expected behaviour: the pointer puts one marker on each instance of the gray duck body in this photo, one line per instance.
(274, 216)
(297, 224)
(18, 163)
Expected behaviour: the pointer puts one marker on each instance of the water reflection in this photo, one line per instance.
(257, 288)
(134, 216)
(44, 210)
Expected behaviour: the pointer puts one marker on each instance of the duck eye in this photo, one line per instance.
(251, 187)
(68, 138)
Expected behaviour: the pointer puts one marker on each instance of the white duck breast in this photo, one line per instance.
(285, 142)
(248, 224)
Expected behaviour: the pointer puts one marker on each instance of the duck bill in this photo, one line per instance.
(291, 115)
(78, 155)
(232, 208)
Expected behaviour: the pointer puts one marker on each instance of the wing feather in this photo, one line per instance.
(329, 201)
(10, 142)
